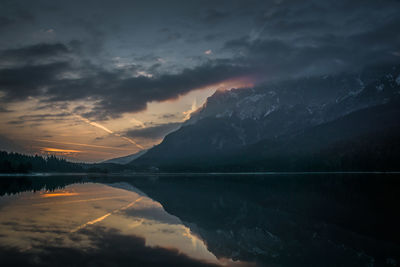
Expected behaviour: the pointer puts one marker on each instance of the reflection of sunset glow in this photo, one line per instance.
(130, 213)
(76, 201)
(192, 238)
(91, 222)
(61, 194)
(82, 139)
(236, 83)
(241, 82)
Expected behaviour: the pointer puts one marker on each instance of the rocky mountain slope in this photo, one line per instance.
(126, 159)
(264, 128)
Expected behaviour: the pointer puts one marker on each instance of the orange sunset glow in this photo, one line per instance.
(199, 133)
(80, 139)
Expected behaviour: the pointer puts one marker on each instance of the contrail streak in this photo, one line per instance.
(95, 124)
(105, 216)
(75, 201)
(80, 144)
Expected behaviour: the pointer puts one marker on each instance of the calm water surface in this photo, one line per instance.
(201, 220)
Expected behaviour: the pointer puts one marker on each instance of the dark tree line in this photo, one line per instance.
(17, 184)
(19, 163)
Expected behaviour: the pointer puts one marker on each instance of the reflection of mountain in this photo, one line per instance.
(286, 220)
(342, 122)
(93, 225)
(299, 220)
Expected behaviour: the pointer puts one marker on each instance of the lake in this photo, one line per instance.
(200, 220)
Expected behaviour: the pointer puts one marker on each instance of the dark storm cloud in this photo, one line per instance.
(320, 37)
(21, 82)
(266, 40)
(169, 35)
(213, 36)
(34, 53)
(154, 132)
(4, 22)
(133, 94)
(15, 13)
(213, 15)
(114, 92)
(147, 57)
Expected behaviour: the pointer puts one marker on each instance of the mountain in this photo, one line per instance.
(126, 159)
(312, 123)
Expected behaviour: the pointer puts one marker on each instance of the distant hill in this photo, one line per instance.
(126, 159)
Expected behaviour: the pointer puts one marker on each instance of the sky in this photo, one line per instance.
(94, 80)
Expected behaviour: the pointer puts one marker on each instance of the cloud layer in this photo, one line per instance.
(258, 39)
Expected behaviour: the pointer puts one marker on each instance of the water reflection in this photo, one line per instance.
(201, 220)
(88, 218)
(287, 220)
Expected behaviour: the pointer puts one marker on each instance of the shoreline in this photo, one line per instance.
(189, 173)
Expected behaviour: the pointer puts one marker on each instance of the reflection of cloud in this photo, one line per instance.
(112, 249)
(136, 223)
(47, 233)
(75, 201)
(153, 213)
(192, 238)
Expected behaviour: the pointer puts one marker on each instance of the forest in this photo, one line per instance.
(19, 163)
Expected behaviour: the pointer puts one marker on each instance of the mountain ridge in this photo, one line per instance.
(232, 122)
